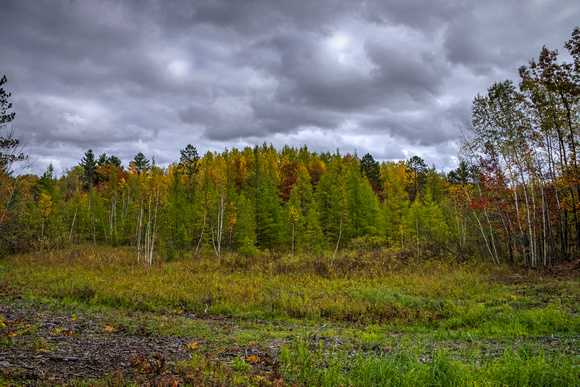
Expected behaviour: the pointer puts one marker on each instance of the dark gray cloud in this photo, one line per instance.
(393, 78)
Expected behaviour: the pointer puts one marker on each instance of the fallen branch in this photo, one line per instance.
(312, 336)
(63, 358)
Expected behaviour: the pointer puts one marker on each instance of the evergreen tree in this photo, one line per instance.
(330, 201)
(244, 231)
(112, 160)
(396, 201)
(89, 164)
(372, 171)
(304, 192)
(102, 160)
(416, 171)
(47, 179)
(263, 189)
(6, 117)
(140, 163)
(361, 204)
(461, 175)
(189, 160)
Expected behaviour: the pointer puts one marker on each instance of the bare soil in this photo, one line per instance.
(41, 346)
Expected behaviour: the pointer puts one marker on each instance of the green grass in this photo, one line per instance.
(471, 366)
(416, 297)
(433, 296)
(391, 323)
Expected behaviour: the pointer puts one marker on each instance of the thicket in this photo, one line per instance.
(513, 198)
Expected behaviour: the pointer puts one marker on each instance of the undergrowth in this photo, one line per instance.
(388, 315)
(405, 296)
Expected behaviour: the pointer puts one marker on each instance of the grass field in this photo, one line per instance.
(371, 319)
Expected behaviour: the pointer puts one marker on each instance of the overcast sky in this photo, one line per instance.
(390, 78)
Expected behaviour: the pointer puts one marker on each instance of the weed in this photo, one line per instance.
(240, 364)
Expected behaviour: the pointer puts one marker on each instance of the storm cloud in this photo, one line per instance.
(392, 78)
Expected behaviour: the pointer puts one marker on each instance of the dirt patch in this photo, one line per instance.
(564, 269)
(40, 346)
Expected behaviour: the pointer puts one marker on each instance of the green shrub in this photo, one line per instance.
(247, 249)
(169, 251)
(181, 238)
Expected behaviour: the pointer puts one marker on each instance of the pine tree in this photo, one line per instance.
(89, 165)
(416, 171)
(372, 171)
(189, 160)
(140, 163)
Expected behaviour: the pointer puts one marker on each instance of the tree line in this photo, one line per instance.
(525, 142)
(513, 198)
(234, 201)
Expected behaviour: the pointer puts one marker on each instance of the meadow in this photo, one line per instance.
(370, 318)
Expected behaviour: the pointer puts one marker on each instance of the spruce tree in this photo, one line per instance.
(89, 164)
(141, 163)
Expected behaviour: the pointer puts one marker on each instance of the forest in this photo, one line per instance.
(514, 198)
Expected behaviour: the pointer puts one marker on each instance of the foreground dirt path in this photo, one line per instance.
(40, 346)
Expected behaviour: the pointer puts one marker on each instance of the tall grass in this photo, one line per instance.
(409, 296)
